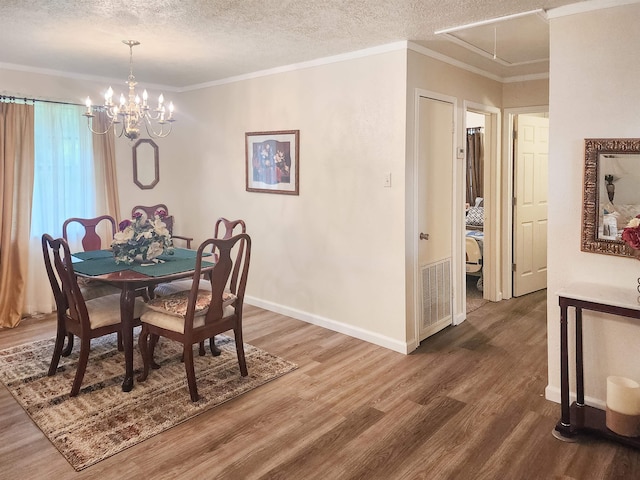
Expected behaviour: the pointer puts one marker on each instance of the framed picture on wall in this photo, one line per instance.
(272, 162)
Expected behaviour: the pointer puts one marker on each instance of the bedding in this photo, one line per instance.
(475, 216)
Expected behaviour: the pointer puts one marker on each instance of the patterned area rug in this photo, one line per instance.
(103, 420)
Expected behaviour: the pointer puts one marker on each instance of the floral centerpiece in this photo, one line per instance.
(631, 235)
(142, 238)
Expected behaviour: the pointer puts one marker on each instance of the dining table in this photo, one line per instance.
(131, 278)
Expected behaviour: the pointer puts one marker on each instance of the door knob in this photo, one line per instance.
(424, 236)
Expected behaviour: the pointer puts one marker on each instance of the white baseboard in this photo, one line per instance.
(553, 394)
(356, 332)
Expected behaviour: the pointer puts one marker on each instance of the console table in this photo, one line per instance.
(578, 417)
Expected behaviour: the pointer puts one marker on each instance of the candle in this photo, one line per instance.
(88, 104)
(623, 395)
(623, 406)
(108, 96)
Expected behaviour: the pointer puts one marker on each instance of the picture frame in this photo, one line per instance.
(272, 162)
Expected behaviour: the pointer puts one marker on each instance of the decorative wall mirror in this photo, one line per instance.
(611, 195)
(146, 164)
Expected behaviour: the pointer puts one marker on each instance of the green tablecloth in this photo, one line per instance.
(95, 263)
(93, 254)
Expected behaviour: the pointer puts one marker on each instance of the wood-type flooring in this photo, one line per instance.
(467, 404)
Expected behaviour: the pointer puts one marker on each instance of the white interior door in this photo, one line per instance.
(530, 206)
(435, 213)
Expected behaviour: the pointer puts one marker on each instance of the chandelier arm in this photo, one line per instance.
(152, 132)
(90, 123)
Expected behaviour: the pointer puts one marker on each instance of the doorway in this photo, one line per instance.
(482, 219)
(509, 179)
(530, 179)
(474, 209)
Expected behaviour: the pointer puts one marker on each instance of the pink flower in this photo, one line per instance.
(137, 215)
(124, 224)
(161, 213)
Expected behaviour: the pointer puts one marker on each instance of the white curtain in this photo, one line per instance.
(65, 182)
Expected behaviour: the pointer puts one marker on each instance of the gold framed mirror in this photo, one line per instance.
(611, 197)
(146, 164)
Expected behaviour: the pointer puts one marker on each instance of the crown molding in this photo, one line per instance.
(367, 52)
(584, 7)
(79, 76)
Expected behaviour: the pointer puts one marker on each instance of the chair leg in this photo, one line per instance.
(152, 348)
(191, 374)
(215, 351)
(57, 351)
(240, 351)
(201, 351)
(120, 346)
(85, 346)
(143, 345)
(67, 351)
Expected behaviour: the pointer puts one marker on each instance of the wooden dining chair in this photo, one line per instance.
(85, 319)
(91, 240)
(192, 316)
(150, 212)
(224, 229)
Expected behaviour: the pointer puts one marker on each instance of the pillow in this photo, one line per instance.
(176, 303)
(475, 216)
(479, 202)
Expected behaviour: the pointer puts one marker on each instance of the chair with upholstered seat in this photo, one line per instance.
(87, 229)
(86, 319)
(150, 212)
(192, 316)
(230, 227)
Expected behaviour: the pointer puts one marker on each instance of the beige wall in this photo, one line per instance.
(593, 93)
(531, 93)
(428, 74)
(334, 255)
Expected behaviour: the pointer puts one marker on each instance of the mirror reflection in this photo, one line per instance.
(611, 197)
(619, 196)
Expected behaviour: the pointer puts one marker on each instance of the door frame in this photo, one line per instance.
(455, 260)
(491, 253)
(507, 186)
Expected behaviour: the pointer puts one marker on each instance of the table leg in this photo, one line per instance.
(579, 361)
(127, 299)
(564, 425)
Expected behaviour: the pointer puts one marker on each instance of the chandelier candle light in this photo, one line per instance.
(131, 113)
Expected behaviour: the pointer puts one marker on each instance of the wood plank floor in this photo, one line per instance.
(468, 404)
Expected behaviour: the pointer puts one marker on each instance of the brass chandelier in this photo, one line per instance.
(127, 117)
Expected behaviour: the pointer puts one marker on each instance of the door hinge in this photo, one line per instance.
(513, 267)
(515, 134)
(514, 201)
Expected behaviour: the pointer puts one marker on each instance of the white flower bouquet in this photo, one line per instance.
(142, 238)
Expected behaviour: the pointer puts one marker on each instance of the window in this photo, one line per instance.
(64, 177)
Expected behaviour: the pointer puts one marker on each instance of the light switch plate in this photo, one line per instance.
(387, 179)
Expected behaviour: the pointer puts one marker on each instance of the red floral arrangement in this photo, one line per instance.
(631, 233)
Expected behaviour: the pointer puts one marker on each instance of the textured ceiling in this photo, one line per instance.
(191, 42)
